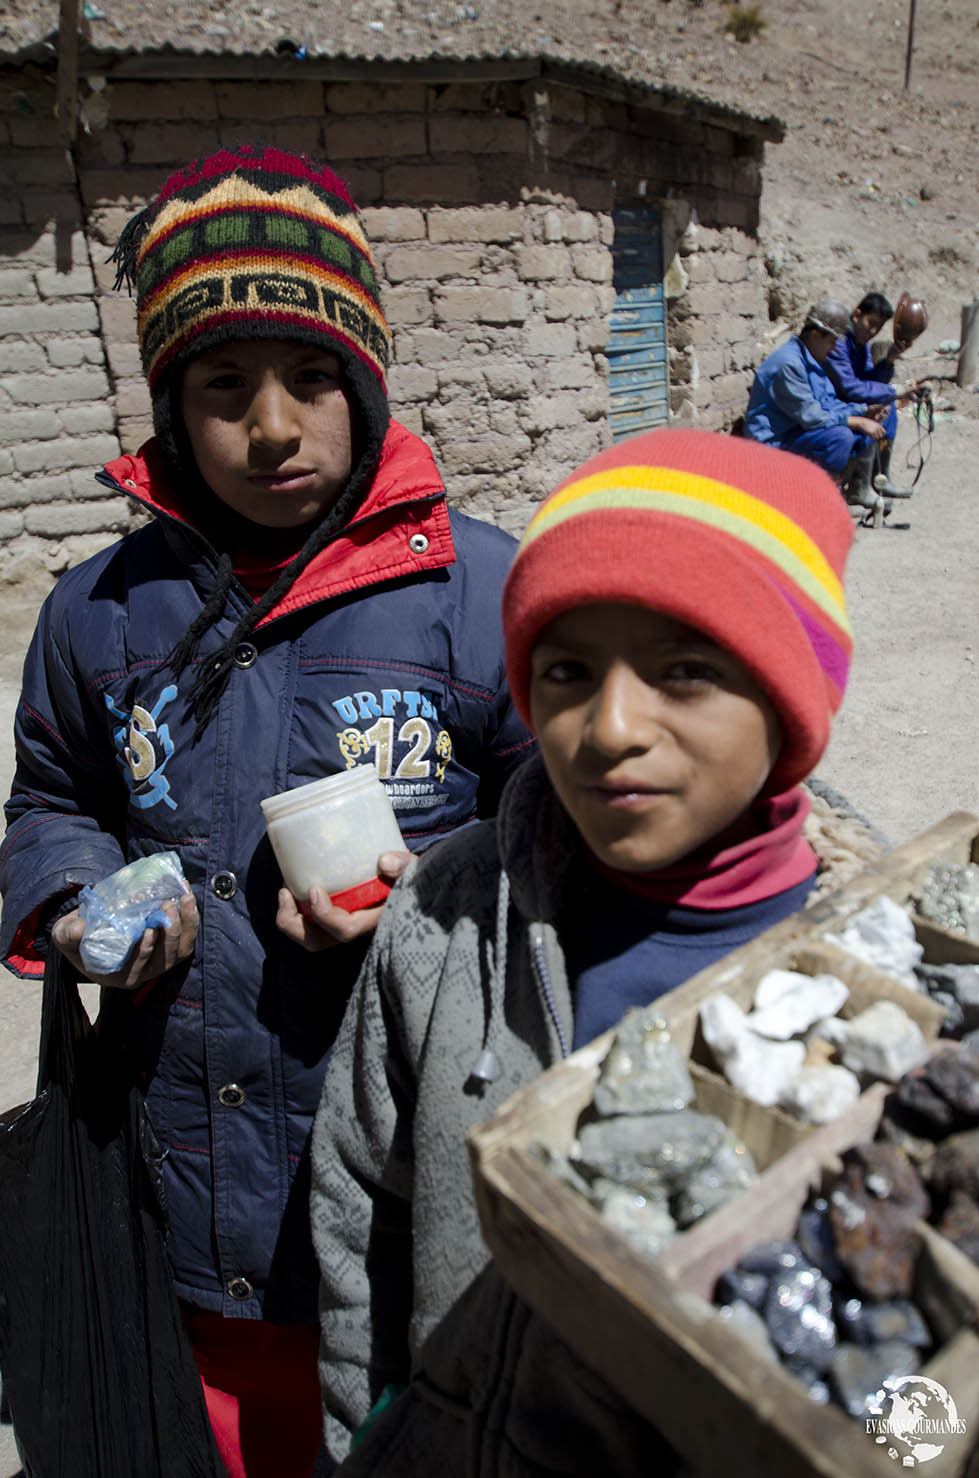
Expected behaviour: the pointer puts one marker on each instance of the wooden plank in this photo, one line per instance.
(66, 91)
(945, 946)
(956, 1367)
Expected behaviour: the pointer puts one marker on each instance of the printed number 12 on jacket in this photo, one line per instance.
(404, 733)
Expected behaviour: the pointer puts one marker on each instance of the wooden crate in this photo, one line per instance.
(645, 1323)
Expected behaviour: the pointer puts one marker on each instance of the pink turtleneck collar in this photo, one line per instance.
(734, 868)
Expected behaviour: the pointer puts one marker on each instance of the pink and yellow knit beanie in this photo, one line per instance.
(743, 542)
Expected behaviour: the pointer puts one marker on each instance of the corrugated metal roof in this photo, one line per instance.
(625, 44)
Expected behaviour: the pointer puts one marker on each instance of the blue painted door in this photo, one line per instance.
(638, 378)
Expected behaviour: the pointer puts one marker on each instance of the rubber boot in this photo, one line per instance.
(856, 482)
(882, 481)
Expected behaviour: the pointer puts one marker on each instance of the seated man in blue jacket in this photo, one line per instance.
(794, 405)
(856, 377)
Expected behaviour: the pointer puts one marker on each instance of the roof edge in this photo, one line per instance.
(170, 64)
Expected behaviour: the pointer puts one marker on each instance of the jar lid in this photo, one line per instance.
(330, 787)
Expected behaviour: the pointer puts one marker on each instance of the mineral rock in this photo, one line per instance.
(816, 1388)
(954, 1023)
(773, 1258)
(737, 1285)
(815, 1237)
(959, 981)
(761, 1069)
(867, 1323)
(960, 1224)
(955, 1076)
(883, 935)
(900, 1127)
(883, 1042)
(874, 1241)
(787, 1002)
(643, 1071)
(858, 1373)
(888, 1174)
(649, 1152)
(949, 896)
(744, 1320)
(955, 1166)
(929, 1109)
(644, 1222)
(799, 1315)
(820, 1094)
(730, 1170)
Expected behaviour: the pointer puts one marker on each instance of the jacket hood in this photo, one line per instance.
(401, 527)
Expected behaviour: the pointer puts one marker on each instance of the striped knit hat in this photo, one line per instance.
(255, 243)
(252, 243)
(745, 543)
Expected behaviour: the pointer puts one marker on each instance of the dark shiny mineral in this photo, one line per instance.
(799, 1315)
(773, 1257)
(737, 1285)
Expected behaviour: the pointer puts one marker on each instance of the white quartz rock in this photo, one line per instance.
(787, 1002)
(883, 935)
(832, 1029)
(759, 1068)
(820, 1094)
(883, 1042)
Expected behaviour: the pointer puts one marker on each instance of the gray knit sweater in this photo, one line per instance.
(465, 962)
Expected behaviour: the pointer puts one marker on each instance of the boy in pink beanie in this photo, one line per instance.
(676, 637)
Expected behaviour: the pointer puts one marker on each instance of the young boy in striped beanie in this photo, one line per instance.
(677, 640)
(301, 600)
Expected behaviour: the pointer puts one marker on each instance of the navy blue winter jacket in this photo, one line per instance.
(388, 648)
(851, 368)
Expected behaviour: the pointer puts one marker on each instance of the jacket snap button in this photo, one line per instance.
(224, 885)
(418, 543)
(240, 1288)
(245, 654)
(231, 1095)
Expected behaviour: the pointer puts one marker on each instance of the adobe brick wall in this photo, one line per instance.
(57, 418)
(489, 209)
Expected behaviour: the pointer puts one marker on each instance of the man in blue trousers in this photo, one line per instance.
(794, 405)
(856, 377)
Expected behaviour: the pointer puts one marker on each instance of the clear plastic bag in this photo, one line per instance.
(119, 908)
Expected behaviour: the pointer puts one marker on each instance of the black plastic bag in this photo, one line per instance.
(97, 1369)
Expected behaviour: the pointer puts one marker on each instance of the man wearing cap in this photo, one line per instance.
(794, 405)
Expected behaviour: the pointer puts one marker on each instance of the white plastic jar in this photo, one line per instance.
(329, 834)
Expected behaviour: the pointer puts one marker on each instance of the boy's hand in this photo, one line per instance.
(324, 924)
(154, 954)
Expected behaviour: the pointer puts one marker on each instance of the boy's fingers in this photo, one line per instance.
(320, 924)
(390, 865)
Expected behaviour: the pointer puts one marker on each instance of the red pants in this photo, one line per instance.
(262, 1391)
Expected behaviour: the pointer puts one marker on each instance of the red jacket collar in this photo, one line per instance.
(401, 528)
